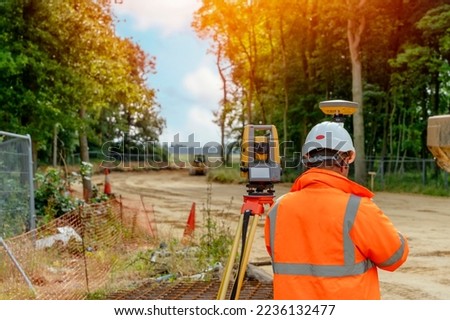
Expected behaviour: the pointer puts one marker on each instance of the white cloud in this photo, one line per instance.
(204, 86)
(170, 16)
(200, 123)
(201, 95)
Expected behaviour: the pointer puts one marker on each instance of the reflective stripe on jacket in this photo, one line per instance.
(327, 238)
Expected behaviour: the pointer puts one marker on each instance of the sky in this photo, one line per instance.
(187, 82)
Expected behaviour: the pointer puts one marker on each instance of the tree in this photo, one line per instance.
(355, 29)
(422, 76)
(285, 56)
(62, 63)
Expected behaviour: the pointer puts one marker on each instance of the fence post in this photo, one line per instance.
(424, 172)
(30, 177)
(17, 264)
(372, 177)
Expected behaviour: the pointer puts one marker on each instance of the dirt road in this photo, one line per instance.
(424, 220)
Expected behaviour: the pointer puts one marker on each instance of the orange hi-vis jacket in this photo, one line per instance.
(327, 238)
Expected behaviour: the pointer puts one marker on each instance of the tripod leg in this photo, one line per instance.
(229, 267)
(246, 254)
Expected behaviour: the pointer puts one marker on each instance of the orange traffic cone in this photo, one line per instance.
(107, 189)
(190, 225)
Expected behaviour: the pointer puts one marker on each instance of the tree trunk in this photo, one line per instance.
(84, 157)
(222, 114)
(55, 145)
(355, 28)
(285, 86)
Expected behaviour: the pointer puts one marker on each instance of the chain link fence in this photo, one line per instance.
(386, 173)
(416, 172)
(16, 185)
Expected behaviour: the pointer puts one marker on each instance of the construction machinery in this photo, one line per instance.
(438, 140)
(198, 166)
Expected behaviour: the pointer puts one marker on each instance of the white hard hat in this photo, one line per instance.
(328, 135)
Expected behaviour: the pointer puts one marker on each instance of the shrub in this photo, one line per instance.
(52, 194)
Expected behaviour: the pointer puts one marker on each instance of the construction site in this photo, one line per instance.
(135, 167)
(161, 217)
(423, 220)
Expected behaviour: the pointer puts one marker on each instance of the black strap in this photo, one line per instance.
(247, 214)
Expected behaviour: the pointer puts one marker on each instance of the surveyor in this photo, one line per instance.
(326, 237)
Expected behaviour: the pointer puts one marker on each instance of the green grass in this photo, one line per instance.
(225, 175)
(232, 175)
(412, 182)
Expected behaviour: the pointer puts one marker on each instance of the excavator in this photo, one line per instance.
(198, 165)
(438, 140)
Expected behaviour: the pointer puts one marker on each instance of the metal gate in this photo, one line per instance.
(17, 210)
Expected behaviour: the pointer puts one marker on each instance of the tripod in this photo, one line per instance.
(253, 207)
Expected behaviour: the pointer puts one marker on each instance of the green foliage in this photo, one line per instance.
(52, 196)
(62, 63)
(280, 58)
(86, 170)
(289, 175)
(15, 212)
(215, 243)
(97, 295)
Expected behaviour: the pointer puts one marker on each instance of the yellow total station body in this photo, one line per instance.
(260, 157)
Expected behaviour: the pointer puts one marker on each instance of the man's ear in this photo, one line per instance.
(351, 157)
